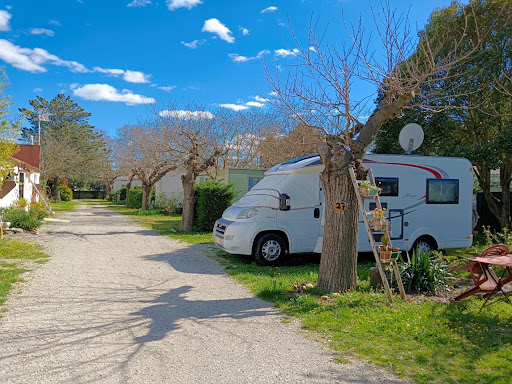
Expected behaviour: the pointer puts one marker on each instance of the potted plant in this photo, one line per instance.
(378, 220)
(368, 190)
(21, 203)
(385, 249)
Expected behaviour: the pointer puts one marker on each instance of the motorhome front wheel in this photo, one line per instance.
(270, 250)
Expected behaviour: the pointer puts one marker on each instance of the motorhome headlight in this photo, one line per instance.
(247, 213)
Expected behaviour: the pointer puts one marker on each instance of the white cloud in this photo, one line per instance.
(110, 71)
(245, 31)
(187, 115)
(31, 60)
(234, 107)
(238, 58)
(189, 4)
(54, 22)
(42, 31)
(286, 52)
(242, 59)
(4, 20)
(260, 99)
(167, 89)
(254, 104)
(37, 90)
(273, 93)
(215, 26)
(136, 77)
(129, 76)
(269, 9)
(105, 92)
(194, 44)
(139, 3)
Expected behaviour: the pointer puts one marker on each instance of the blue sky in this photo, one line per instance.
(117, 57)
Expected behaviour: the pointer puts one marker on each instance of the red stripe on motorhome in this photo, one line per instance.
(432, 171)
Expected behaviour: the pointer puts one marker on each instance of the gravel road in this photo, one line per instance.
(117, 303)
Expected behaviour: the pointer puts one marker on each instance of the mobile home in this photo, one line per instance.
(428, 201)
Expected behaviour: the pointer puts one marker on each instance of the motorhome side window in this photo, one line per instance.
(389, 185)
(442, 191)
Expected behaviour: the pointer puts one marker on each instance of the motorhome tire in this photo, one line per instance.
(425, 243)
(270, 249)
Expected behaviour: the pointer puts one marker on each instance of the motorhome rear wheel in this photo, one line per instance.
(425, 244)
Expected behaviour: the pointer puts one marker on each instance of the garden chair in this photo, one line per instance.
(483, 276)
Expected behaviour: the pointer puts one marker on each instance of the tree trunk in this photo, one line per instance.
(56, 189)
(146, 196)
(187, 218)
(499, 208)
(108, 190)
(338, 264)
(128, 187)
(505, 178)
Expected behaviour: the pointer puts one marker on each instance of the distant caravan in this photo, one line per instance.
(428, 202)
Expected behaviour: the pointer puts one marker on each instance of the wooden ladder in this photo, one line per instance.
(387, 232)
(42, 198)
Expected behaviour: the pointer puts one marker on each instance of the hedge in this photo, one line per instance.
(122, 193)
(135, 197)
(211, 199)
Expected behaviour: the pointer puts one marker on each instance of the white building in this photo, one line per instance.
(24, 177)
(170, 184)
(122, 181)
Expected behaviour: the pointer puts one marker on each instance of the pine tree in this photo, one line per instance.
(71, 148)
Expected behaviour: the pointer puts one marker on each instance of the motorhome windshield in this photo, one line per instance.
(264, 194)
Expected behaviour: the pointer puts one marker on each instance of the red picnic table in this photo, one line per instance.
(487, 280)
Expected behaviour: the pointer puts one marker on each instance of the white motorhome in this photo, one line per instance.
(428, 201)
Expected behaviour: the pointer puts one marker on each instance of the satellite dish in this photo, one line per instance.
(411, 137)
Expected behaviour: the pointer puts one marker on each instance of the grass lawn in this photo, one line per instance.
(15, 259)
(161, 223)
(425, 340)
(64, 206)
(422, 339)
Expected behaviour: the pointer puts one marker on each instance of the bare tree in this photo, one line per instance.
(109, 168)
(146, 154)
(317, 92)
(239, 137)
(193, 135)
(279, 146)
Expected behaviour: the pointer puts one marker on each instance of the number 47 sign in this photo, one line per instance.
(340, 206)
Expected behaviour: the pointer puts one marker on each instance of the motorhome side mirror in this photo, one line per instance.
(284, 202)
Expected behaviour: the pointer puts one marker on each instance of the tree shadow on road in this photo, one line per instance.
(187, 260)
(169, 308)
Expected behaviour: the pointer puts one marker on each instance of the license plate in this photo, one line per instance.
(219, 242)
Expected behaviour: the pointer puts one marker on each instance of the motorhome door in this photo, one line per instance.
(302, 221)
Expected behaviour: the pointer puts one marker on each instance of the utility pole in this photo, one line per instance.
(42, 115)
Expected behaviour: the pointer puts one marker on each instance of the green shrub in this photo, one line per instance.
(424, 272)
(493, 238)
(66, 194)
(20, 218)
(122, 193)
(135, 196)
(21, 202)
(39, 210)
(211, 199)
(169, 205)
